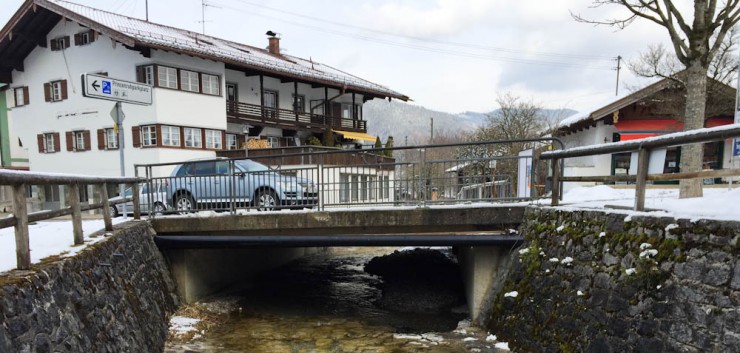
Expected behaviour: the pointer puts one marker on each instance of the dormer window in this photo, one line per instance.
(85, 37)
(59, 43)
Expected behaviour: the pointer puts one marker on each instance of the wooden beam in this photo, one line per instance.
(643, 160)
(20, 213)
(103, 188)
(73, 195)
(555, 182)
(33, 38)
(137, 202)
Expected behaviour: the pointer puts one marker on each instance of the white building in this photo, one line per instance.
(208, 93)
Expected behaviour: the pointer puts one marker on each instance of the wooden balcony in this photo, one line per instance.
(312, 155)
(254, 114)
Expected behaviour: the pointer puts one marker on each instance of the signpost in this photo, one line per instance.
(120, 91)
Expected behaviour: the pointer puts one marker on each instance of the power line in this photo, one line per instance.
(517, 60)
(430, 40)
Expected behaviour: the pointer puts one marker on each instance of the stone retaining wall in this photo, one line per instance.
(114, 296)
(590, 281)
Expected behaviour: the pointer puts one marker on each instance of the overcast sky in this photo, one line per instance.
(448, 55)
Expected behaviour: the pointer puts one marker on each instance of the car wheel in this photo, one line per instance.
(267, 200)
(113, 211)
(184, 203)
(159, 208)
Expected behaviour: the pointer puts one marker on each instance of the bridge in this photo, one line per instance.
(223, 220)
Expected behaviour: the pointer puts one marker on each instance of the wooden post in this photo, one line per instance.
(103, 188)
(643, 160)
(533, 174)
(20, 212)
(555, 182)
(135, 200)
(295, 100)
(73, 194)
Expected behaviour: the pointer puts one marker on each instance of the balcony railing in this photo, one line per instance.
(285, 118)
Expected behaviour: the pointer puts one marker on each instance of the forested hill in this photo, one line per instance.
(402, 120)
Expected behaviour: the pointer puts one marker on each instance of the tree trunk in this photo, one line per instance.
(692, 155)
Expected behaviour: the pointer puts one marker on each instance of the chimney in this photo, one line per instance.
(273, 43)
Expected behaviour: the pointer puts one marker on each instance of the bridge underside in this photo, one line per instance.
(208, 253)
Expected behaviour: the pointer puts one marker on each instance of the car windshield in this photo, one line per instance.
(251, 166)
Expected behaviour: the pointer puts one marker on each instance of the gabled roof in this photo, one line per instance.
(588, 119)
(35, 18)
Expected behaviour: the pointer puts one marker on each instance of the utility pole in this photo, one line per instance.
(619, 67)
(146, 5)
(431, 132)
(203, 15)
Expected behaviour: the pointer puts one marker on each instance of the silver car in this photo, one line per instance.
(202, 183)
(157, 198)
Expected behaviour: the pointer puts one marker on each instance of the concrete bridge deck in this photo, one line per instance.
(455, 226)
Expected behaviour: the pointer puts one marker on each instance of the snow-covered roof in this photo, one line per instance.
(148, 34)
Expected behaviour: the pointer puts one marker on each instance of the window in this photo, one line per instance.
(149, 135)
(48, 142)
(59, 43)
(193, 137)
(231, 142)
(189, 81)
(213, 139)
(170, 136)
(108, 139)
(55, 91)
(78, 141)
(111, 139)
(167, 77)
(86, 37)
(274, 141)
(211, 84)
(21, 96)
(347, 111)
(299, 103)
(148, 72)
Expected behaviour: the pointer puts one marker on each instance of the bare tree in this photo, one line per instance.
(695, 44)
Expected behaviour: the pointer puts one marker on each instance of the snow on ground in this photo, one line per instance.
(717, 203)
(181, 325)
(48, 238)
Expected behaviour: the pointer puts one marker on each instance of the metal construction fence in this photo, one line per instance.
(321, 178)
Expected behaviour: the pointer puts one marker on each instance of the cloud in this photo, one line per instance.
(445, 17)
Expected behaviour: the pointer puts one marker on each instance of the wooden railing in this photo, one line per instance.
(291, 119)
(643, 149)
(19, 181)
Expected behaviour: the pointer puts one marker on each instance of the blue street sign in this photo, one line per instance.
(736, 148)
(106, 87)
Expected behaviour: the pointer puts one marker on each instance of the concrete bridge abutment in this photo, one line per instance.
(484, 271)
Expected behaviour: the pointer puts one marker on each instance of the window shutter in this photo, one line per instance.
(86, 137)
(57, 142)
(64, 89)
(42, 145)
(66, 41)
(69, 135)
(140, 74)
(25, 95)
(159, 136)
(136, 136)
(78, 39)
(92, 35)
(54, 44)
(101, 139)
(47, 92)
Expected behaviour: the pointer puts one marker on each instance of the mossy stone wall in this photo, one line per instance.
(590, 281)
(114, 296)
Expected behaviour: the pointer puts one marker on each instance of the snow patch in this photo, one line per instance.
(502, 345)
(554, 259)
(602, 234)
(523, 251)
(567, 260)
(558, 229)
(181, 325)
(512, 294)
(648, 253)
(630, 271)
(644, 246)
(490, 338)
(580, 294)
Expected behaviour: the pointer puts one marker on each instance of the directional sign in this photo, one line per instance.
(103, 87)
(736, 148)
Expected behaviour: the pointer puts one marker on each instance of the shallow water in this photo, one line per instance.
(327, 303)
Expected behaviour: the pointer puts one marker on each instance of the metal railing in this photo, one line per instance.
(21, 218)
(643, 149)
(336, 178)
(291, 118)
